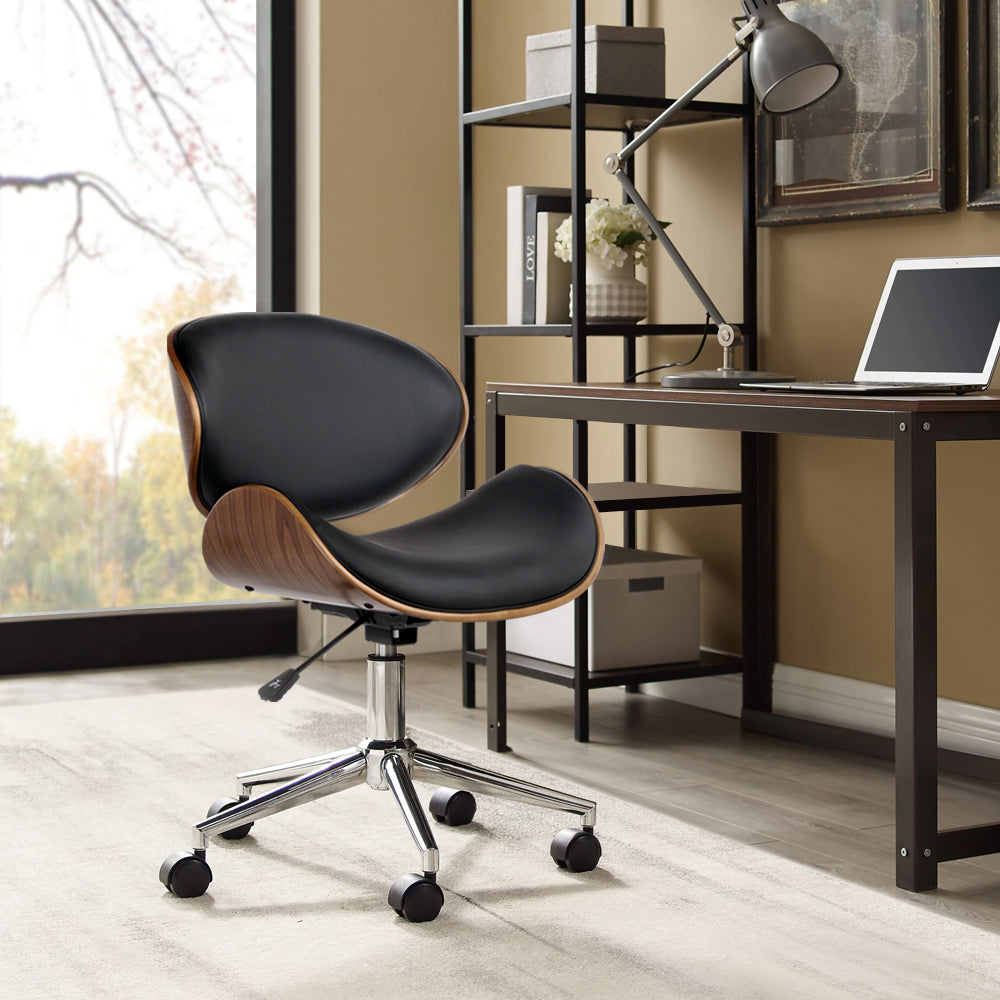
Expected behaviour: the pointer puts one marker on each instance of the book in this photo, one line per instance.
(534, 247)
(553, 276)
(521, 259)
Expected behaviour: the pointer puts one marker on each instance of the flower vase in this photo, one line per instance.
(615, 294)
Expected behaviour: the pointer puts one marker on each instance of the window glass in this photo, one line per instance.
(127, 205)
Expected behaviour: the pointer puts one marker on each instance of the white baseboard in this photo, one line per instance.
(840, 701)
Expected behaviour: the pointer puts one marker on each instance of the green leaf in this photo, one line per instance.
(628, 237)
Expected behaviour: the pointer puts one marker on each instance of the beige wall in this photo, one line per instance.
(387, 176)
(835, 497)
(388, 243)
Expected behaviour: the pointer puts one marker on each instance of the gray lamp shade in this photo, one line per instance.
(789, 65)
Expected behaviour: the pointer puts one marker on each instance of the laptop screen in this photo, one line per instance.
(938, 321)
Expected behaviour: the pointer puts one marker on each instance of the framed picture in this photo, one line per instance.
(880, 143)
(984, 73)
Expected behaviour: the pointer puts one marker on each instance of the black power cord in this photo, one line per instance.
(678, 364)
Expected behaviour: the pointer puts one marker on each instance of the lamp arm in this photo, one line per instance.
(614, 163)
(685, 99)
(673, 252)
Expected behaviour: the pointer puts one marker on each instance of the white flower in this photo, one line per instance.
(615, 234)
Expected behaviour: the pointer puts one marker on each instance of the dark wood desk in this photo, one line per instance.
(915, 425)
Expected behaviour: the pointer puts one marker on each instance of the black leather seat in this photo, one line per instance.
(515, 543)
(290, 422)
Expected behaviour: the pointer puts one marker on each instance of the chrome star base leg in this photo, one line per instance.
(386, 760)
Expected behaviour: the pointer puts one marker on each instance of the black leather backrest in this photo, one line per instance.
(338, 416)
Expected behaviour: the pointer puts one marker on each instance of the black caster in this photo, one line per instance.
(576, 850)
(220, 805)
(417, 898)
(456, 808)
(186, 875)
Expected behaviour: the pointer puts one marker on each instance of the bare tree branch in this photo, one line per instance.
(227, 37)
(154, 102)
(150, 45)
(82, 183)
(157, 99)
(99, 64)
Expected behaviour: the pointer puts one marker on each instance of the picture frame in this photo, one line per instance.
(881, 143)
(984, 79)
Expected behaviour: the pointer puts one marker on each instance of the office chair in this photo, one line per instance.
(291, 422)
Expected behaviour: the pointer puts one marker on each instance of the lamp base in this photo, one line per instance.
(719, 378)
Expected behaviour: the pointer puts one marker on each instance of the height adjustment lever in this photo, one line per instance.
(276, 689)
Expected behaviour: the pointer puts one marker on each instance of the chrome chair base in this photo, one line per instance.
(386, 760)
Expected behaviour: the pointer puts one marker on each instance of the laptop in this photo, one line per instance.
(936, 329)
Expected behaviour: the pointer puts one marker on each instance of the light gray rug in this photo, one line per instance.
(95, 793)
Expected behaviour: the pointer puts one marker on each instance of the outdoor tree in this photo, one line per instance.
(77, 532)
(169, 567)
(150, 84)
(126, 126)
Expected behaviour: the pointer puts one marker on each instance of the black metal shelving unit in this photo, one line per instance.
(581, 112)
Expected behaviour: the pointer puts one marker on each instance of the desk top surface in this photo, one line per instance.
(926, 403)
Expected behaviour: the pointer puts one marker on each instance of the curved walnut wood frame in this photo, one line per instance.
(189, 421)
(255, 538)
(188, 418)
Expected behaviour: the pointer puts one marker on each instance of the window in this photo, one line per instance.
(128, 168)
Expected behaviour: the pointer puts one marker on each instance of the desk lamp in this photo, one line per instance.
(790, 68)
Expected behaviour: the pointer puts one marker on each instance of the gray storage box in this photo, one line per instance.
(643, 610)
(618, 60)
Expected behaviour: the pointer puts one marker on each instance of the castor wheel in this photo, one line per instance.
(186, 875)
(456, 808)
(576, 850)
(220, 805)
(418, 898)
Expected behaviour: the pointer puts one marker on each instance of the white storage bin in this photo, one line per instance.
(643, 610)
(618, 60)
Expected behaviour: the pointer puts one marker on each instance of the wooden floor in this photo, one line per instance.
(826, 808)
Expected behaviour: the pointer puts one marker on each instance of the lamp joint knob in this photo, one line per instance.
(612, 163)
(728, 336)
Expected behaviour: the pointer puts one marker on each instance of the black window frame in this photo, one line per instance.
(172, 634)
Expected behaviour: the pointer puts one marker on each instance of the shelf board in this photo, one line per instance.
(709, 664)
(605, 112)
(610, 497)
(592, 330)
(652, 496)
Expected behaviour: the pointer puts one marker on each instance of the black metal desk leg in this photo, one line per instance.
(581, 678)
(467, 472)
(496, 686)
(468, 668)
(757, 514)
(916, 654)
(496, 632)
(581, 685)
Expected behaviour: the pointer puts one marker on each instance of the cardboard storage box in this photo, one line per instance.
(643, 610)
(618, 60)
